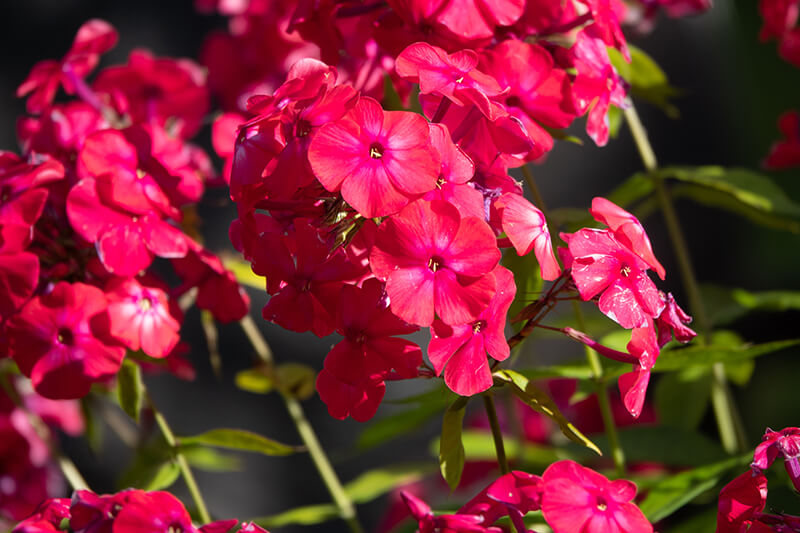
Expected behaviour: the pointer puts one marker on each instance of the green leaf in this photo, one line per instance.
(578, 370)
(211, 460)
(738, 190)
(146, 475)
(451, 450)
(740, 372)
(130, 388)
(680, 358)
(378, 482)
(700, 523)
(239, 439)
(243, 272)
(614, 120)
(669, 495)
(726, 305)
(255, 380)
(402, 423)
(647, 80)
(681, 398)
(304, 516)
(539, 401)
(632, 190)
(479, 446)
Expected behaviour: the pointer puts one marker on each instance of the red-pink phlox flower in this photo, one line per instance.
(454, 76)
(94, 38)
(379, 160)
(142, 317)
(435, 262)
(537, 92)
(600, 263)
(596, 85)
(457, 170)
(217, 289)
(543, 17)
(134, 176)
(309, 279)
(251, 527)
(527, 229)
(450, 523)
(786, 152)
(672, 321)
(223, 139)
(19, 269)
(576, 498)
(23, 191)
(780, 16)
(159, 90)
(627, 230)
(62, 341)
(48, 517)
(352, 381)
(153, 512)
(633, 385)
(740, 503)
(789, 47)
(94, 513)
(784, 443)
(514, 494)
(61, 131)
(606, 16)
(460, 350)
(125, 242)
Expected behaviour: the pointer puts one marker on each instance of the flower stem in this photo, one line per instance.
(728, 418)
(183, 464)
(347, 509)
(497, 434)
(617, 453)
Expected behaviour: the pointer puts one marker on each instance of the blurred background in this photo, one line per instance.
(733, 88)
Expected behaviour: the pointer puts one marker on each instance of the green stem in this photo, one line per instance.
(347, 509)
(183, 464)
(538, 199)
(728, 420)
(497, 434)
(617, 453)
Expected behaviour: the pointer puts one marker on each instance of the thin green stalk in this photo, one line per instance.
(610, 427)
(617, 453)
(183, 464)
(497, 434)
(347, 510)
(728, 419)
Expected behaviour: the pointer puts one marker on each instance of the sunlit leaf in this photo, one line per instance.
(255, 380)
(211, 460)
(646, 78)
(304, 516)
(726, 305)
(677, 359)
(403, 423)
(243, 273)
(379, 481)
(239, 439)
(539, 401)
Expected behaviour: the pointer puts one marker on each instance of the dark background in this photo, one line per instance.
(733, 87)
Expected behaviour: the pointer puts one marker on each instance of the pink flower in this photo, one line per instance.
(62, 341)
(672, 321)
(527, 229)
(435, 262)
(141, 317)
(352, 381)
(153, 512)
(741, 502)
(379, 160)
(95, 37)
(576, 498)
(786, 153)
(460, 350)
(514, 494)
(633, 385)
(450, 523)
(774, 444)
(48, 517)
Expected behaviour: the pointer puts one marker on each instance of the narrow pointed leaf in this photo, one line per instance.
(726, 305)
(243, 273)
(539, 401)
(451, 450)
(305, 516)
(677, 359)
(669, 495)
(377, 482)
(254, 380)
(130, 388)
(239, 439)
(386, 429)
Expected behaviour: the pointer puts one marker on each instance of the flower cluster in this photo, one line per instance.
(128, 511)
(742, 501)
(570, 496)
(334, 191)
(98, 193)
